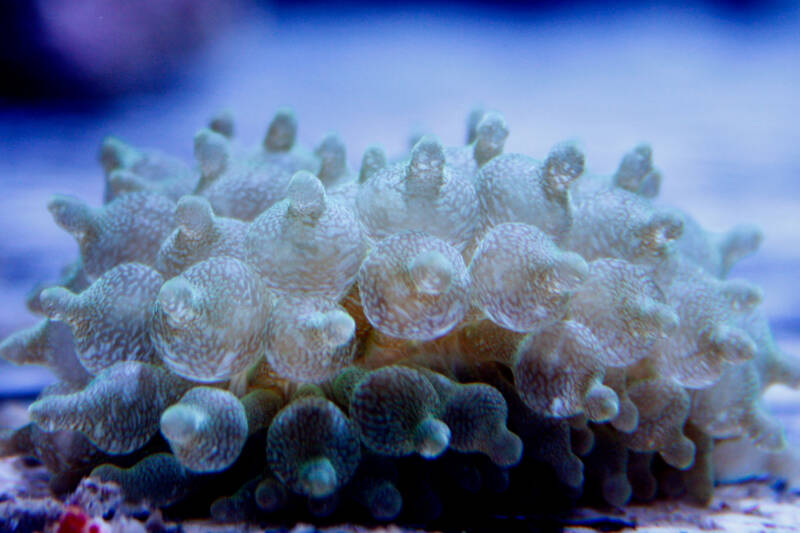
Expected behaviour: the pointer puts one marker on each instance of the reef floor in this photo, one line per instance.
(756, 505)
(26, 505)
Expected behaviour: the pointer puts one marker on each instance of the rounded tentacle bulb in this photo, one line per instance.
(111, 319)
(423, 193)
(306, 243)
(521, 279)
(129, 169)
(620, 224)
(624, 308)
(476, 414)
(517, 188)
(716, 253)
(128, 229)
(312, 447)
(206, 429)
(397, 411)
(243, 187)
(49, 343)
(414, 286)
(487, 132)
(558, 373)
(309, 339)
(159, 478)
(663, 407)
(340, 182)
(709, 338)
(118, 410)
(200, 234)
(208, 323)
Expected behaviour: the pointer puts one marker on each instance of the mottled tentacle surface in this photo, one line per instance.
(130, 228)
(309, 339)
(517, 188)
(397, 411)
(423, 193)
(521, 279)
(441, 337)
(243, 187)
(111, 319)
(306, 243)
(558, 373)
(208, 322)
(312, 447)
(206, 429)
(119, 409)
(414, 286)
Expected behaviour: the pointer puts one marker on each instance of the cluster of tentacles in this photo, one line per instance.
(277, 330)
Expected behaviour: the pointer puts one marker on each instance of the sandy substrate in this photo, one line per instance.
(742, 507)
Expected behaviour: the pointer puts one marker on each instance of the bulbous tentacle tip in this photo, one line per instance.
(328, 330)
(601, 403)
(729, 343)
(490, 137)
(564, 164)
(425, 170)
(55, 412)
(333, 158)
(212, 152)
(738, 243)
(282, 131)
(679, 454)
(71, 214)
(158, 478)
(271, 495)
(785, 370)
(115, 153)
(181, 423)
(384, 501)
(59, 303)
(628, 417)
(473, 119)
(660, 231)
(179, 300)
(505, 450)
(570, 472)
(635, 168)
(206, 429)
(122, 180)
(617, 489)
(306, 194)
(432, 437)
(431, 272)
(742, 295)
(12, 349)
(582, 438)
(572, 270)
(194, 215)
(656, 315)
(29, 346)
(650, 185)
(318, 477)
(223, 123)
(374, 159)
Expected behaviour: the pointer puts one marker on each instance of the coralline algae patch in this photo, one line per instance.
(268, 335)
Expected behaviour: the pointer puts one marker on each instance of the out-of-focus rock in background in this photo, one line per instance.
(82, 50)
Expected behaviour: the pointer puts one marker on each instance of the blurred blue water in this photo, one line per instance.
(715, 95)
